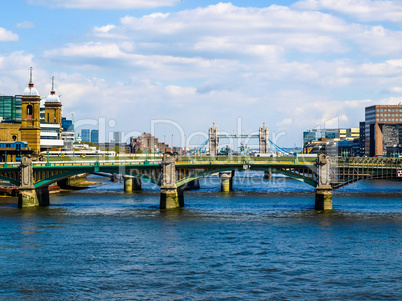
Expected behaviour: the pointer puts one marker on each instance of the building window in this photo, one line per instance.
(381, 119)
(29, 111)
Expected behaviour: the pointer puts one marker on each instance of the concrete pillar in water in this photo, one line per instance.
(43, 196)
(136, 184)
(171, 196)
(131, 183)
(323, 190)
(27, 198)
(128, 184)
(323, 197)
(268, 175)
(27, 195)
(226, 181)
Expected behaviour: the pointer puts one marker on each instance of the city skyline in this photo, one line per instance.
(295, 65)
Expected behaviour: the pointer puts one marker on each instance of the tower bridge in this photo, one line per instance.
(172, 173)
(214, 136)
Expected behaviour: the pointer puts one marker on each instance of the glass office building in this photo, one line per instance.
(11, 108)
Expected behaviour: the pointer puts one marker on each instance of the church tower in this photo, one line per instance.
(53, 107)
(30, 122)
(53, 112)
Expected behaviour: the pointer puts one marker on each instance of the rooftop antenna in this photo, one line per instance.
(52, 92)
(31, 84)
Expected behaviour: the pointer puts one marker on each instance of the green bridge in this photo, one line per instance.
(172, 173)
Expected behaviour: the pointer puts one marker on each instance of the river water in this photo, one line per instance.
(264, 241)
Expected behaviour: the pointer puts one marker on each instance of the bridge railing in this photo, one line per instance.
(93, 163)
(369, 162)
(10, 164)
(243, 160)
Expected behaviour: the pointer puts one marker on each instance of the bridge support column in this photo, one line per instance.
(323, 190)
(171, 196)
(226, 181)
(43, 196)
(323, 197)
(268, 175)
(131, 184)
(27, 197)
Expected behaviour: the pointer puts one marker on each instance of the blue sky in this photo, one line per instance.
(175, 67)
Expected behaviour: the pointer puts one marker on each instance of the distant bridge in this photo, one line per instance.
(172, 173)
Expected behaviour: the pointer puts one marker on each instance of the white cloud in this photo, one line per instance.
(26, 24)
(365, 10)
(103, 4)
(104, 29)
(378, 40)
(293, 69)
(14, 74)
(87, 50)
(396, 90)
(163, 67)
(251, 31)
(178, 91)
(6, 35)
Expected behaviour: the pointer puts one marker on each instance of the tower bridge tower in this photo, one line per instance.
(213, 140)
(264, 139)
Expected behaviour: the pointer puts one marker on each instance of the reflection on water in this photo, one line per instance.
(262, 241)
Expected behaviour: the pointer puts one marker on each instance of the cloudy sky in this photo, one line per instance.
(172, 66)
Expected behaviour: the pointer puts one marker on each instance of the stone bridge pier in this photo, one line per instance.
(131, 183)
(226, 180)
(28, 196)
(323, 190)
(171, 196)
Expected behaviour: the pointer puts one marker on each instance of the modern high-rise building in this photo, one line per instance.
(331, 134)
(85, 135)
(383, 126)
(66, 124)
(117, 137)
(95, 136)
(11, 108)
(362, 140)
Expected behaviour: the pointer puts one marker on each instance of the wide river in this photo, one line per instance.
(264, 241)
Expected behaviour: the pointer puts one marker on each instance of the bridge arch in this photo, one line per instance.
(292, 175)
(55, 178)
(11, 181)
